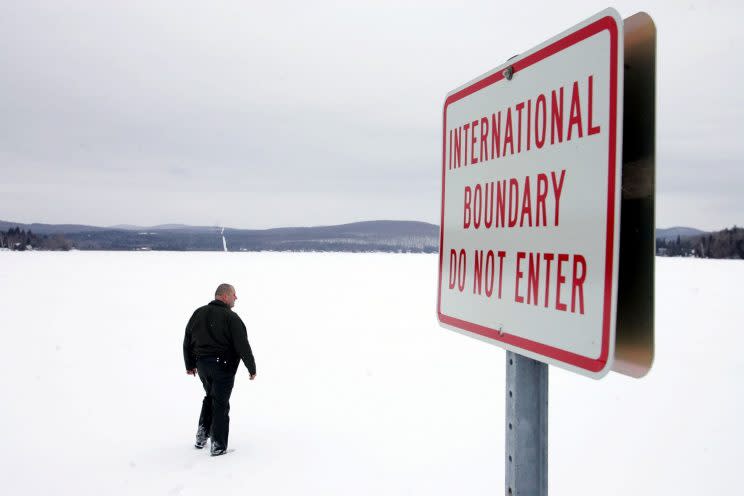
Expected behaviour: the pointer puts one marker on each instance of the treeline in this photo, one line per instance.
(122, 240)
(358, 237)
(370, 236)
(18, 239)
(728, 243)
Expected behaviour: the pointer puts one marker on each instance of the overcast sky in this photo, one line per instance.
(262, 114)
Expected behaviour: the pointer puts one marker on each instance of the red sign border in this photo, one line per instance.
(590, 364)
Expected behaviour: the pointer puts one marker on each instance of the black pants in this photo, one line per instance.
(218, 378)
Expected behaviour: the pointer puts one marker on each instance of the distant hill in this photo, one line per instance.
(164, 227)
(49, 228)
(671, 233)
(726, 243)
(369, 236)
(381, 235)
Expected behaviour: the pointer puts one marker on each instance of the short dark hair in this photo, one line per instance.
(224, 289)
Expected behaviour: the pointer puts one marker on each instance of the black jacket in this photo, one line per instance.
(216, 331)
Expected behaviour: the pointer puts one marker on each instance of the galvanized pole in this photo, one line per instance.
(526, 426)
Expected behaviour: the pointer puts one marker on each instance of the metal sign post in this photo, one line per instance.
(526, 426)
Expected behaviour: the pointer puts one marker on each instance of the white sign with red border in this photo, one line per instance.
(531, 163)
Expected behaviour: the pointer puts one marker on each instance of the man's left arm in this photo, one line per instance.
(241, 344)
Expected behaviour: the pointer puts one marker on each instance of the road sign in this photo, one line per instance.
(531, 176)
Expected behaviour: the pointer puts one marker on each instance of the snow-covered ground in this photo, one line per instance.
(359, 391)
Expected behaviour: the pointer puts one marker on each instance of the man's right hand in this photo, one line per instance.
(253, 376)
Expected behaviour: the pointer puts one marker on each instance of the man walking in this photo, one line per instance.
(215, 342)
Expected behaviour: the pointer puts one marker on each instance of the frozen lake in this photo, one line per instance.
(359, 391)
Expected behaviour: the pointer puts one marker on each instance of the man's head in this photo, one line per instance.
(226, 294)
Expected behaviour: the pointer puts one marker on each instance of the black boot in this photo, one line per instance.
(201, 438)
(217, 449)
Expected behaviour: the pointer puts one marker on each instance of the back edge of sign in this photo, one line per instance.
(594, 368)
(634, 339)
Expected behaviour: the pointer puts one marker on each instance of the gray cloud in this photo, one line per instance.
(325, 112)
